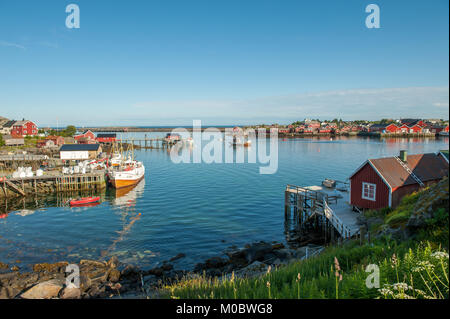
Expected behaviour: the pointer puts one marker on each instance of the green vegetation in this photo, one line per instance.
(2, 142)
(69, 131)
(413, 268)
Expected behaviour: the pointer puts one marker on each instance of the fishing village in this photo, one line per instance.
(78, 165)
(225, 158)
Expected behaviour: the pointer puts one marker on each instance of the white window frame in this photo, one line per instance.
(364, 184)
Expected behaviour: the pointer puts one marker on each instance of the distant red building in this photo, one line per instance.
(382, 182)
(24, 128)
(106, 138)
(415, 128)
(85, 138)
(384, 128)
(50, 141)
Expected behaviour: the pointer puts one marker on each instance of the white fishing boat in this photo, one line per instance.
(128, 172)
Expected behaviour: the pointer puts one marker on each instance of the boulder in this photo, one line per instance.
(215, 262)
(55, 267)
(114, 275)
(8, 292)
(283, 254)
(92, 263)
(157, 271)
(256, 252)
(179, 256)
(44, 290)
(71, 293)
(131, 271)
(277, 246)
(167, 267)
(113, 262)
(253, 269)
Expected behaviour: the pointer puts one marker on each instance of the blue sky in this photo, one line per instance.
(223, 62)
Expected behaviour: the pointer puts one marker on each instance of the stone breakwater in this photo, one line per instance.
(112, 279)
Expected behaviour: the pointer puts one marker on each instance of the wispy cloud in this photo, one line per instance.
(370, 104)
(11, 44)
(49, 44)
(441, 104)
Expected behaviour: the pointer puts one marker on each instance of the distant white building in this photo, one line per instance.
(79, 151)
(7, 127)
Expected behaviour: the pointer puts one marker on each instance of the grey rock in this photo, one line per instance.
(44, 290)
(71, 293)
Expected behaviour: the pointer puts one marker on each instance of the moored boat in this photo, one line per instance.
(84, 201)
(126, 175)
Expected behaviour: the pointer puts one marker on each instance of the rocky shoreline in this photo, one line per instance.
(113, 279)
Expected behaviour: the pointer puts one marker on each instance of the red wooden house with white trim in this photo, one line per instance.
(382, 182)
(24, 128)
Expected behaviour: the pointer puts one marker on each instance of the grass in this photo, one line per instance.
(403, 211)
(410, 269)
(319, 279)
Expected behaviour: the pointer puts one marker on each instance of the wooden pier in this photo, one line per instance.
(80, 182)
(150, 143)
(321, 209)
(14, 187)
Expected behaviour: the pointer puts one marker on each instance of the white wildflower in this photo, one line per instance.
(401, 286)
(440, 255)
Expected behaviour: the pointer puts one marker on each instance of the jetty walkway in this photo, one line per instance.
(327, 208)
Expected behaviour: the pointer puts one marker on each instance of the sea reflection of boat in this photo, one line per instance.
(129, 195)
(25, 212)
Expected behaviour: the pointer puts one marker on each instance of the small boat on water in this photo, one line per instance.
(238, 142)
(84, 201)
(127, 174)
(330, 183)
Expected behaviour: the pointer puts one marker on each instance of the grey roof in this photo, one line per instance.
(79, 147)
(106, 135)
(9, 124)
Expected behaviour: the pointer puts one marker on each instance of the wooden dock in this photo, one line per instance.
(52, 183)
(321, 208)
(150, 143)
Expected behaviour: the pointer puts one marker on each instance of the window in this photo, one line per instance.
(368, 191)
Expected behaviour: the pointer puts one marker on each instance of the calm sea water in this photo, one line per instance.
(196, 209)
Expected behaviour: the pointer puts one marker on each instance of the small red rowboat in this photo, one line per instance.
(84, 201)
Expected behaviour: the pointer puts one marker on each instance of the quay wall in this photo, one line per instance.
(53, 184)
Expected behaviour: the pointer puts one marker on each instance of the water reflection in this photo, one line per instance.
(128, 196)
(26, 206)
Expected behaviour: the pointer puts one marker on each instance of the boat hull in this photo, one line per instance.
(122, 183)
(85, 201)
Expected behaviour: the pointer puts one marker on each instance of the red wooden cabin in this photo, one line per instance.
(382, 182)
(106, 138)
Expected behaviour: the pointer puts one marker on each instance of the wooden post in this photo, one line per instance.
(287, 203)
(362, 235)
